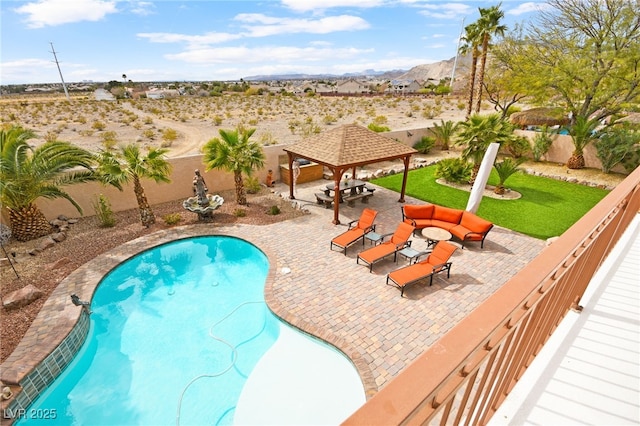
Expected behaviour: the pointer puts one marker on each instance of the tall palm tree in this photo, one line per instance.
(471, 42)
(477, 133)
(443, 133)
(128, 164)
(488, 26)
(582, 132)
(28, 173)
(233, 152)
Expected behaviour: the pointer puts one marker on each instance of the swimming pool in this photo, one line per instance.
(175, 333)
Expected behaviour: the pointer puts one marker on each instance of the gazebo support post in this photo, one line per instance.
(337, 176)
(405, 175)
(290, 156)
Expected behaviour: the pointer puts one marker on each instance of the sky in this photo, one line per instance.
(198, 40)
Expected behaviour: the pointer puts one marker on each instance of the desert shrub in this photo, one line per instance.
(98, 125)
(217, 120)
(618, 145)
(51, 136)
(168, 137)
(149, 134)
(377, 128)
(517, 146)
(102, 208)
(454, 170)
(148, 120)
(381, 119)
(329, 119)
(425, 144)
(273, 210)
(109, 139)
(541, 143)
(461, 105)
(172, 218)
(252, 184)
(239, 212)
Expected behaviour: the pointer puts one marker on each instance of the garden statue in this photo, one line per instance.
(296, 173)
(269, 179)
(202, 203)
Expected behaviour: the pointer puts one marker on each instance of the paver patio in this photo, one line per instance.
(321, 291)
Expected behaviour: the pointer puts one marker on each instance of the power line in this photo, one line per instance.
(64, 86)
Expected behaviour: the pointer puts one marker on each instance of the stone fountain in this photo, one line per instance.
(202, 203)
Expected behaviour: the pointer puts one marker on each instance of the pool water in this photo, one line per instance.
(174, 334)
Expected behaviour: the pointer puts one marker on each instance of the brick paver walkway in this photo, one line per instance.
(321, 291)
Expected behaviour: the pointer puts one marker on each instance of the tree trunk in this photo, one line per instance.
(28, 223)
(483, 64)
(241, 194)
(472, 79)
(474, 173)
(576, 161)
(146, 214)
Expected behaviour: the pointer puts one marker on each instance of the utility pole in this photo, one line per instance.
(455, 61)
(64, 86)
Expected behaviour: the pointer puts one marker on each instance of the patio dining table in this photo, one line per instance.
(347, 187)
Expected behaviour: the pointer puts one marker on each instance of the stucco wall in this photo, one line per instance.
(178, 189)
(180, 186)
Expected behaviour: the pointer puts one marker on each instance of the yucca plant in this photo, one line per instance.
(582, 132)
(505, 169)
(28, 173)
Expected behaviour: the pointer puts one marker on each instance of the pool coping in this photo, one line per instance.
(59, 316)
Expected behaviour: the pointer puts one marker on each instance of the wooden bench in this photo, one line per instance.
(351, 199)
(322, 198)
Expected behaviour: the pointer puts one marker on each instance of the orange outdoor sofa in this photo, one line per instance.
(462, 224)
(436, 262)
(399, 240)
(357, 230)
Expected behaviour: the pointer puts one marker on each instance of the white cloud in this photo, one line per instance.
(195, 41)
(314, 5)
(270, 54)
(142, 8)
(57, 12)
(527, 8)
(262, 25)
(445, 10)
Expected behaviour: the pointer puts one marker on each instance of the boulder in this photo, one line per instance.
(21, 297)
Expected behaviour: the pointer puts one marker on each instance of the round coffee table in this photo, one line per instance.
(434, 234)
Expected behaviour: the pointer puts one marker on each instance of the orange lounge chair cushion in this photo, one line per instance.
(446, 214)
(424, 211)
(377, 252)
(348, 237)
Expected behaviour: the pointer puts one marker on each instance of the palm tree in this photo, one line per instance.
(28, 173)
(471, 41)
(128, 164)
(233, 152)
(443, 133)
(488, 26)
(505, 169)
(582, 133)
(477, 133)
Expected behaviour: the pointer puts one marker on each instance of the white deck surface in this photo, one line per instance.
(589, 370)
(300, 382)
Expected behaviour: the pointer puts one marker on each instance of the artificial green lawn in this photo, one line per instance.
(547, 208)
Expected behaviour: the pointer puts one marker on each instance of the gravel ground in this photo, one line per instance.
(86, 240)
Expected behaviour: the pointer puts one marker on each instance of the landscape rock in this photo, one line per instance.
(58, 263)
(46, 243)
(59, 237)
(21, 297)
(58, 223)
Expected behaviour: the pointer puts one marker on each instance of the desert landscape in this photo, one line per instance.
(183, 124)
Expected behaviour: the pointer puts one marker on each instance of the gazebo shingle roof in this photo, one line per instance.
(348, 146)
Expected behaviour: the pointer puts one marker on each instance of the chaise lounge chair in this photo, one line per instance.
(399, 240)
(357, 230)
(437, 261)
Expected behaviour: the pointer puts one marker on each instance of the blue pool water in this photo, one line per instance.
(174, 334)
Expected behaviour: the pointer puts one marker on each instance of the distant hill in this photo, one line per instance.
(434, 71)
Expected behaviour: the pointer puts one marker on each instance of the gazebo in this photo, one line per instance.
(347, 147)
